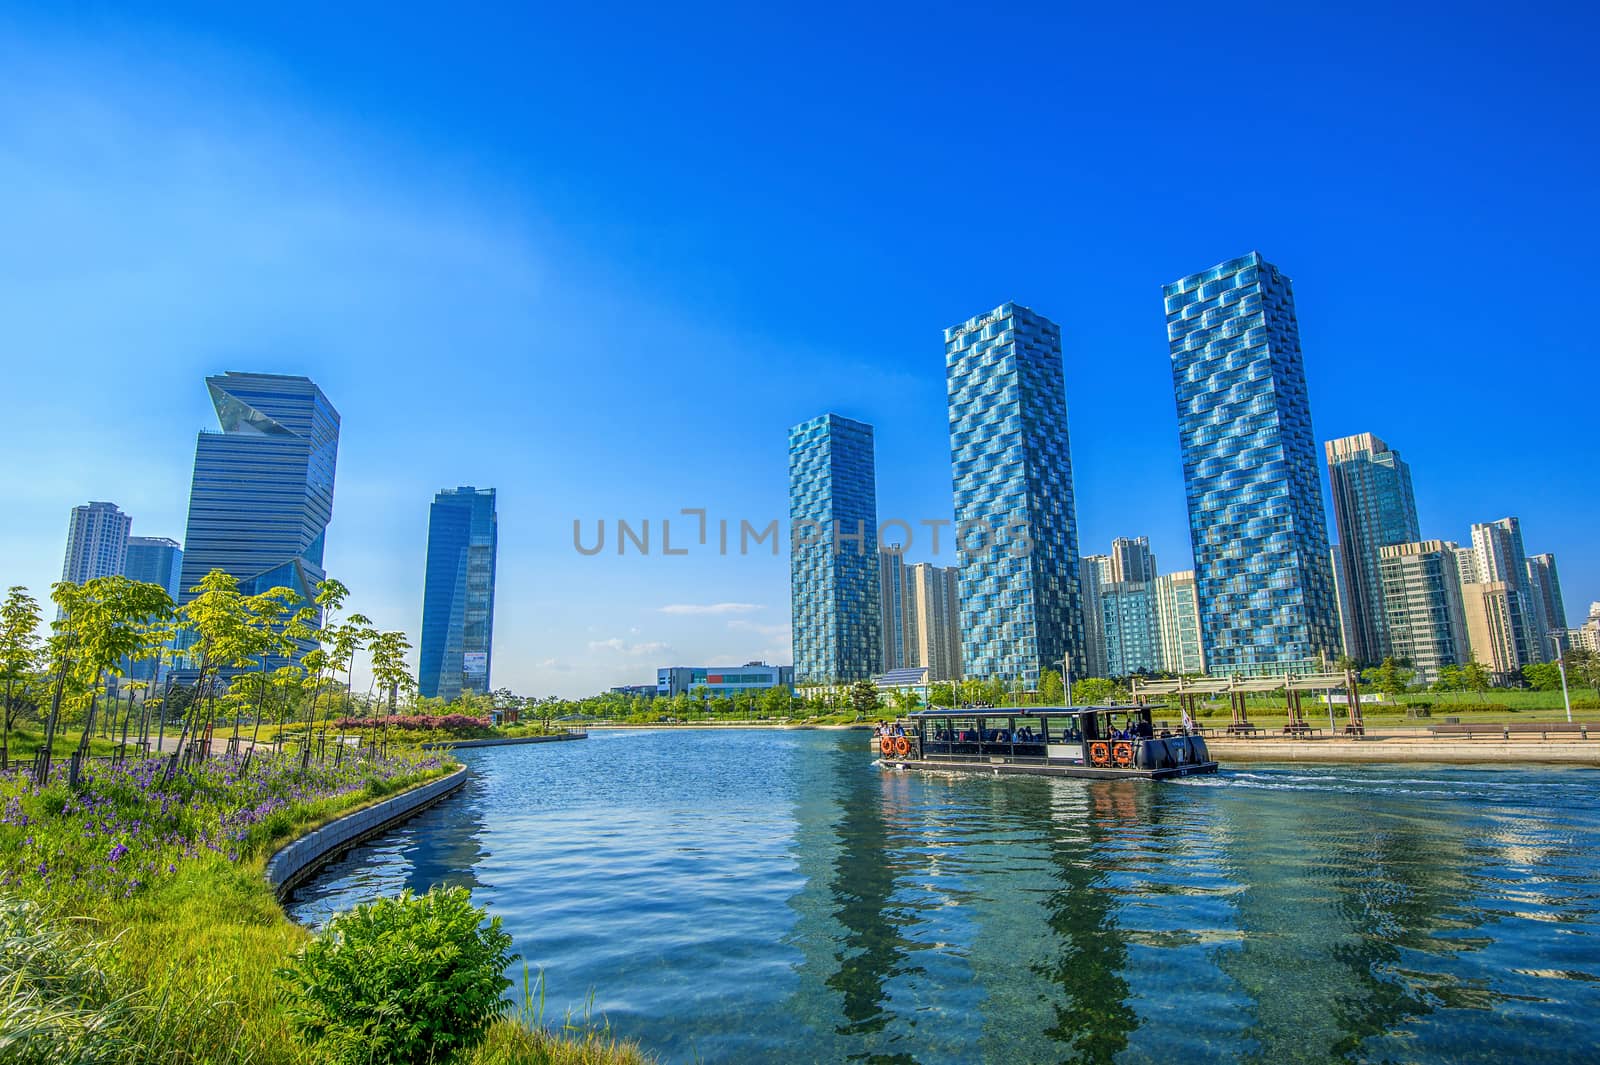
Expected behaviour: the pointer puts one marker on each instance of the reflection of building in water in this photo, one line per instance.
(1334, 936)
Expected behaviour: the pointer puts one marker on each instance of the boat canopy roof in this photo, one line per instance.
(1032, 711)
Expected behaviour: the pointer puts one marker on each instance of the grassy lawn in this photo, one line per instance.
(155, 892)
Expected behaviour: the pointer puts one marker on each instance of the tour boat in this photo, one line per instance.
(1113, 742)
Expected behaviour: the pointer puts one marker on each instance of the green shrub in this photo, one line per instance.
(406, 980)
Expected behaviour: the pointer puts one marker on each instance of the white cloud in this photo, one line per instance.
(709, 608)
(621, 646)
(746, 625)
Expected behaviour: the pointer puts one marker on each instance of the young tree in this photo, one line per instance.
(864, 698)
(1474, 678)
(906, 700)
(942, 693)
(218, 625)
(21, 660)
(1449, 679)
(1390, 678)
(1093, 691)
(1542, 676)
(1051, 690)
(777, 700)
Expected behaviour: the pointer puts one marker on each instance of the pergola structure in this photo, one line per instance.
(1293, 685)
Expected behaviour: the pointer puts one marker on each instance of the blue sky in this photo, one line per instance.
(602, 259)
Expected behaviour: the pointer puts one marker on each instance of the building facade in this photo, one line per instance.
(1426, 620)
(1373, 507)
(1132, 560)
(833, 551)
(1250, 471)
(262, 494)
(1544, 583)
(722, 680)
(1011, 471)
(1133, 641)
(1178, 622)
(1499, 558)
(458, 594)
(1493, 614)
(1095, 572)
(97, 543)
(935, 611)
(896, 616)
(155, 560)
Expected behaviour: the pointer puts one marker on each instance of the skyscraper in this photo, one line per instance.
(934, 605)
(896, 616)
(1178, 622)
(1133, 640)
(458, 594)
(1016, 525)
(1094, 573)
(1373, 507)
(97, 542)
(154, 560)
(1545, 586)
(262, 495)
(833, 552)
(1131, 559)
(1427, 622)
(1500, 559)
(1249, 465)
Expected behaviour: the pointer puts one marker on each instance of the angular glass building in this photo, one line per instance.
(262, 495)
(155, 560)
(1016, 524)
(833, 552)
(1250, 471)
(1373, 508)
(458, 594)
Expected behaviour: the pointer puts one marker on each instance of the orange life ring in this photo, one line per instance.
(902, 746)
(1099, 753)
(886, 745)
(1123, 753)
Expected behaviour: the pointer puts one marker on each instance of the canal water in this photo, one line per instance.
(773, 896)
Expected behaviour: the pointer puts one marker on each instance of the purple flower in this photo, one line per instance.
(116, 852)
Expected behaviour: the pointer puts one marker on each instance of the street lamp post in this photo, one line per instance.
(1066, 677)
(1561, 664)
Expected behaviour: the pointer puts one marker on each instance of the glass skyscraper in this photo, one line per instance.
(1250, 470)
(1016, 525)
(1373, 508)
(97, 543)
(458, 594)
(262, 494)
(833, 552)
(153, 560)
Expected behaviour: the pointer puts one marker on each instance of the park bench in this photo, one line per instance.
(1544, 730)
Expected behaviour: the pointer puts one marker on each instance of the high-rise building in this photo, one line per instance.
(1095, 572)
(1341, 601)
(1545, 585)
(1250, 469)
(1133, 640)
(458, 594)
(1373, 507)
(1016, 524)
(1178, 622)
(934, 606)
(896, 616)
(155, 560)
(1426, 621)
(1493, 614)
(97, 543)
(1499, 558)
(833, 555)
(1587, 635)
(1131, 559)
(262, 495)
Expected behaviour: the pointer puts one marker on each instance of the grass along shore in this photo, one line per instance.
(136, 923)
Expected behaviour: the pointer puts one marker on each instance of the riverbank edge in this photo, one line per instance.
(502, 741)
(293, 863)
(1379, 751)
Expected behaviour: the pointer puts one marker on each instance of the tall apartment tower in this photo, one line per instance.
(1131, 559)
(1178, 622)
(1426, 619)
(458, 594)
(154, 560)
(262, 494)
(1373, 507)
(1095, 574)
(1500, 559)
(896, 615)
(1133, 640)
(1250, 470)
(833, 553)
(97, 543)
(1016, 523)
(933, 602)
(1545, 585)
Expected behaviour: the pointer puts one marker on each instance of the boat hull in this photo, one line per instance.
(1047, 769)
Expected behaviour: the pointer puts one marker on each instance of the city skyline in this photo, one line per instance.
(239, 202)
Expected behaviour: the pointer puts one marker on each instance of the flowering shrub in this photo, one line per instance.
(126, 826)
(455, 723)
